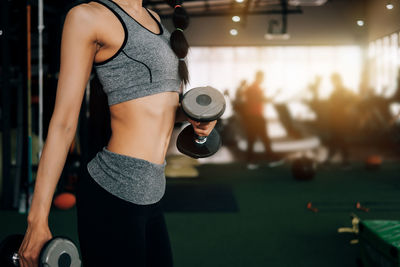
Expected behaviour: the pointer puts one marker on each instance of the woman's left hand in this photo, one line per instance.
(202, 128)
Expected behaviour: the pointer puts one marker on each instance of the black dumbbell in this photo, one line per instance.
(202, 104)
(304, 168)
(57, 252)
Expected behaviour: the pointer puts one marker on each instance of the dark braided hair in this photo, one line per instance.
(178, 41)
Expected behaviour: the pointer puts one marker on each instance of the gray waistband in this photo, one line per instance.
(135, 180)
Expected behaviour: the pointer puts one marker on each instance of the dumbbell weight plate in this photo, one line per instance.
(187, 145)
(8, 247)
(203, 104)
(61, 252)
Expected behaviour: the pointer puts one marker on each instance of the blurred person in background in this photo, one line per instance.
(237, 103)
(252, 107)
(340, 106)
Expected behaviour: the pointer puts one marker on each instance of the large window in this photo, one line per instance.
(288, 69)
(384, 63)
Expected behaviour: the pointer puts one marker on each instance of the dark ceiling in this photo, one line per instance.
(208, 8)
(200, 8)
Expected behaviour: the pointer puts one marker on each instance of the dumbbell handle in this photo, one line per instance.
(15, 259)
(200, 139)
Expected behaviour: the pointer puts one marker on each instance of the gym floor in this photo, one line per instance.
(263, 219)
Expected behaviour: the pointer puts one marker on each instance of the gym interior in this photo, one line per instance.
(331, 82)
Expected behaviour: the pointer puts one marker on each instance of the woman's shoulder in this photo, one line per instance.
(86, 17)
(154, 14)
(87, 12)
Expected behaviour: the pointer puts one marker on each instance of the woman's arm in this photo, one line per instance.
(78, 47)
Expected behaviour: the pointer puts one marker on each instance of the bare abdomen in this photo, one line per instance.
(142, 127)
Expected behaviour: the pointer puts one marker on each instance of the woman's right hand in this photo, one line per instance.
(35, 238)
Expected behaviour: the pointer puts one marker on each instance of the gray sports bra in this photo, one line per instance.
(144, 65)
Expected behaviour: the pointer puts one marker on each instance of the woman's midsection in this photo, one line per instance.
(142, 127)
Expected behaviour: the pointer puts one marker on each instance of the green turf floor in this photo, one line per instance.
(272, 226)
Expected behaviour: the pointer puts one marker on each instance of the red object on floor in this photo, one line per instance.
(373, 162)
(64, 201)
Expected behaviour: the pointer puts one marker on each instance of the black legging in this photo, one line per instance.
(114, 232)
